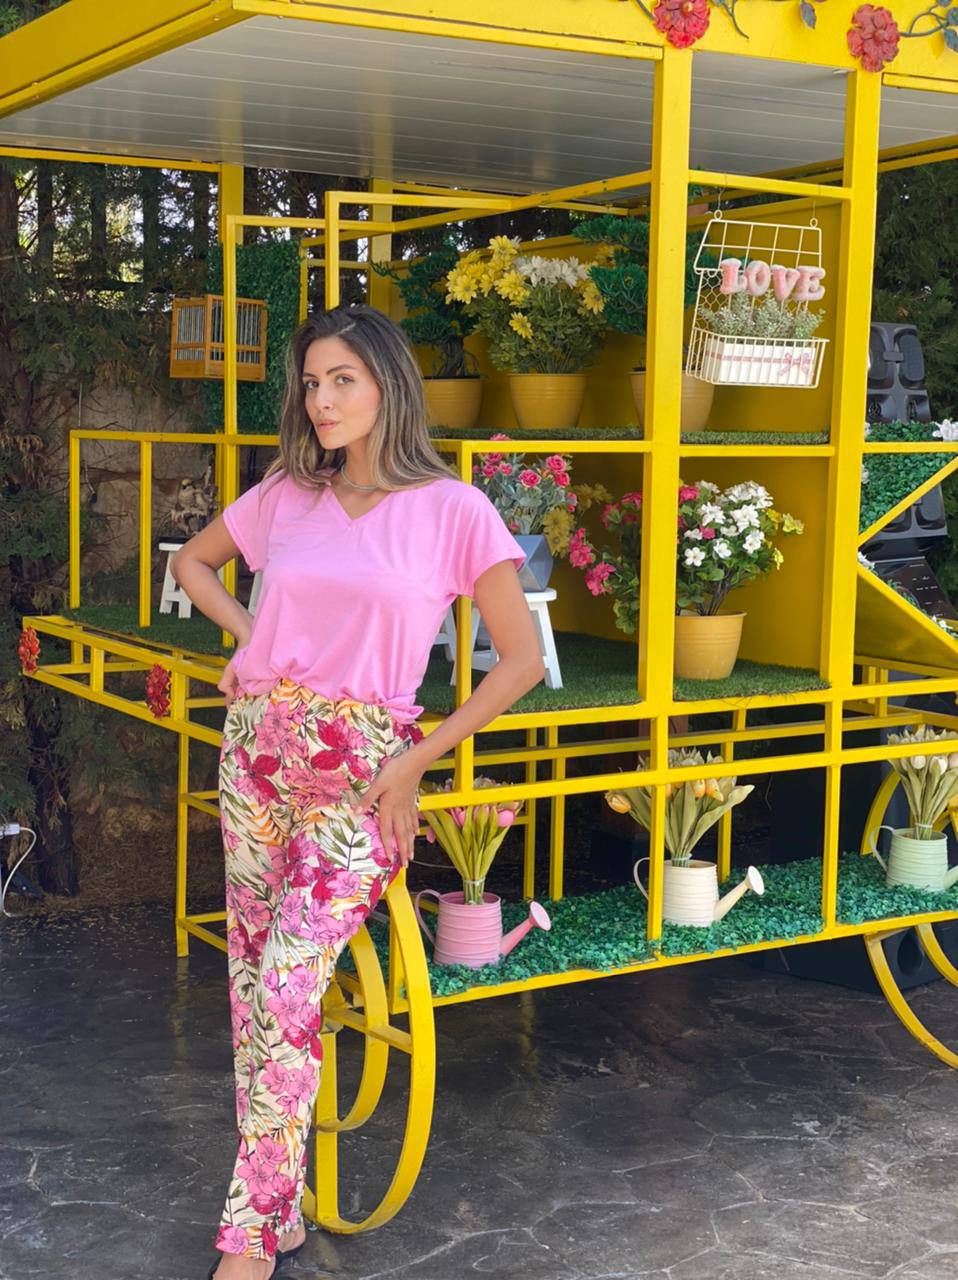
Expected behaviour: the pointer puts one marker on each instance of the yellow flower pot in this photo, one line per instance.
(696, 400)
(706, 647)
(549, 401)
(453, 402)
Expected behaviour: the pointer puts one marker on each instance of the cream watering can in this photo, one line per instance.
(920, 864)
(690, 893)
(471, 933)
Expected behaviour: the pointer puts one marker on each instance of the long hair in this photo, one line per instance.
(399, 451)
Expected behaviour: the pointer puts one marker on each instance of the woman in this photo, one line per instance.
(364, 537)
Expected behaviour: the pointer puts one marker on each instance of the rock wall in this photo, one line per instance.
(110, 469)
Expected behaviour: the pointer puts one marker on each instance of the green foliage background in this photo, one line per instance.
(270, 272)
(916, 282)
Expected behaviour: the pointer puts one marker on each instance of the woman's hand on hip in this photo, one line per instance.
(395, 789)
(227, 684)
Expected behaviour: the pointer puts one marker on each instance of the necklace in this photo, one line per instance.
(364, 488)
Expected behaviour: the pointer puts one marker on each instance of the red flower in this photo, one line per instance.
(561, 478)
(498, 435)
(28, 650)
(555, 462)
(530, 479)
(688, 493)
(708, 533)
(873, 36)
(581, 553)
(632, 500)
(595, 579)
(158, 691)
(681, 21)
(343, 743)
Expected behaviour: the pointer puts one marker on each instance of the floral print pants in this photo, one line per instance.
(303, 871)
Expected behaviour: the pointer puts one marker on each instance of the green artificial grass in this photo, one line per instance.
(602, 673)
(790, 907)
(597, 672)
(166, 630)
(751, 679)
(519, 433)
(754, 437)
(863, 895)
(634, 433)
(606, 931)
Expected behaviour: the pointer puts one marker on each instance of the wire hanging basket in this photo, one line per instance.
(752, 324)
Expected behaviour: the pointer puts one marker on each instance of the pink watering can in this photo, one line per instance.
(471, 934)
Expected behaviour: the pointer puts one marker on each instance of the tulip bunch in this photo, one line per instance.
(691, 808)
(930, 781)
(470, 835)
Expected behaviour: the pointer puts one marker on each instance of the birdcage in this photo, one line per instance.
(197, 348)
(753, 325)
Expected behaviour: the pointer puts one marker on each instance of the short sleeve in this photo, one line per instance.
(482, 540)
(249, 518)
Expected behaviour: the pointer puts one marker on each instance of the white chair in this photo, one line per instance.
(484, 659)
(173, 594)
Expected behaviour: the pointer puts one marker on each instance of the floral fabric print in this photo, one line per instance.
(303, 871)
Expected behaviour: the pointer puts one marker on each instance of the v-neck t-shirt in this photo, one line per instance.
(350, 607)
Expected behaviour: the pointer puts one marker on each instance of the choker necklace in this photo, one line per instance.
(364, 488)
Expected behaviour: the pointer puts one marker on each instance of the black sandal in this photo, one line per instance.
(283, 1255)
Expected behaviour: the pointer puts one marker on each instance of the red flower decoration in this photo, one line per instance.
(28, 650)
(158, 691)
(873, 36)
(681, 21)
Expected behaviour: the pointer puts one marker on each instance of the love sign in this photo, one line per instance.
(801, 284)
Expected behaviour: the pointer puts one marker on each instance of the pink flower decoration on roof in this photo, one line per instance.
(873, 36)
(682, 22)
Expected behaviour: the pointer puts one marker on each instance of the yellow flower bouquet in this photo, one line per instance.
(539, 315)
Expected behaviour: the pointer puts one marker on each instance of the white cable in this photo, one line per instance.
(11, 829)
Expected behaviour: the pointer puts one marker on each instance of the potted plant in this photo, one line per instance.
(621, 274)
(690, 886)
(469, 927)
(725, 539)
(453, 386)
(747, 342)
(542, 318)
(535, 501)
(919, 853)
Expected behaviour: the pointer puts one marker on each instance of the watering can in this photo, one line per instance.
(920, 864)
(690, 893)
(471, 933)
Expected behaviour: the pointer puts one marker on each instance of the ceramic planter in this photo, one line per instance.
(537, 570)
(453, 402)
(471, 933)
(547, 401)
(706, 647)
(690, 892)
(919, 864)
(697, 399)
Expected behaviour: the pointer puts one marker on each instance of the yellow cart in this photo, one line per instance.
(453, 114)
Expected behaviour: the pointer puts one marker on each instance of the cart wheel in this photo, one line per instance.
(926, 936)
(893, 993)
(361, 1003)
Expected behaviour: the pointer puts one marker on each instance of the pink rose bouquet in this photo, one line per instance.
(532, 497)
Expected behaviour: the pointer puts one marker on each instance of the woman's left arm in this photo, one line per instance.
(508, 620)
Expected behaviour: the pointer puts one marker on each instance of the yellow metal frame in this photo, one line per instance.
(366, 1000)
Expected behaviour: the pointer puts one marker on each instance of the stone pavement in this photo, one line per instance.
(708, 1123)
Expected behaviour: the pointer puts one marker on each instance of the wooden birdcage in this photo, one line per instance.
(197, 349)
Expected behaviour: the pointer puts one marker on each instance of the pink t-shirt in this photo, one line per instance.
(350, 608)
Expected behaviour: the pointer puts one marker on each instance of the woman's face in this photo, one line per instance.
(342, 398)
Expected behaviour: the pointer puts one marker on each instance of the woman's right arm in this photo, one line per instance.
(194, 567)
